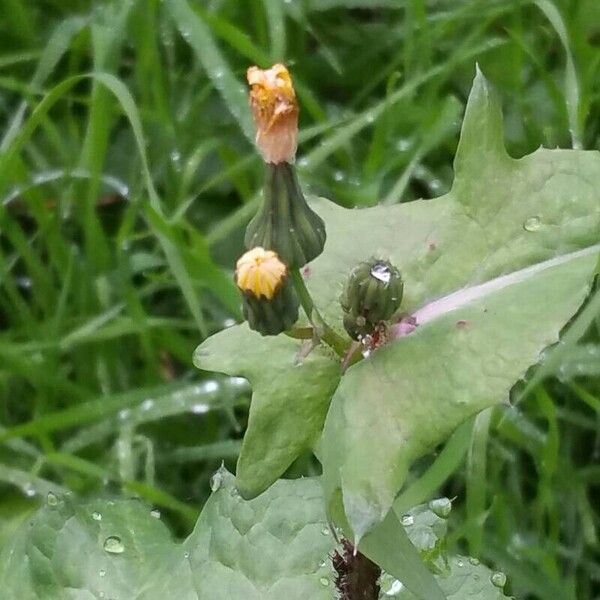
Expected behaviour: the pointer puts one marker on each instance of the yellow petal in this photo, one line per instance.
(260, 272)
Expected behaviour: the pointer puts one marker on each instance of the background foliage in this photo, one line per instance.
(127, 175)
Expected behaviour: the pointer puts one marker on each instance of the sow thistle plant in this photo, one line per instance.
(417, 317)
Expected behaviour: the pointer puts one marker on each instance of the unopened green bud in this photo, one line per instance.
(372, 295)
(284, 222)
(270, 304)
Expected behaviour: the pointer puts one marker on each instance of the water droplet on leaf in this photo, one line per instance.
(96, 516)
(155, 513)
(216, 480)
(498, 579)
(51, 499)
(381, 272)
(407, 520)
(474, 561)
(102, 573)
(324, 581)
(114, 545)
(532, 223)
(441, 507)
(390, 586)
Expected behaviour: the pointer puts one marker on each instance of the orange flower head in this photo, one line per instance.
(260, 272)
(275, 111)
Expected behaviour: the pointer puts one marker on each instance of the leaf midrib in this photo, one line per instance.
(468, 295)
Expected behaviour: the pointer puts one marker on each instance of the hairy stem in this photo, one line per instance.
(357, 576)
(323, 330)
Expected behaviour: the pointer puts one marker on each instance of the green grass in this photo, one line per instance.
(127, 174)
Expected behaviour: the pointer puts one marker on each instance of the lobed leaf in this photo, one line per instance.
(275, 546)
(290, 400)
(493, 271)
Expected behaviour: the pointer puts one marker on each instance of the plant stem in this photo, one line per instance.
(357, 576)
(324, 331)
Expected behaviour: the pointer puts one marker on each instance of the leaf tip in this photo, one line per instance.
(482, 134)
(362, 513)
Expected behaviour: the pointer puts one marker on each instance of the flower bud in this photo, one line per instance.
(284, 222)
(372, 294)
(275, 111)
(270, 304)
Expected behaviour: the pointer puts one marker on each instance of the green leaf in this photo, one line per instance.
(290, 400)
(275, 546)
(99, 549)
(493, 271)
(198, 35)
(458, 577)
(464, 579)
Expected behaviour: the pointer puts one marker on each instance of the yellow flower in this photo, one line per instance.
(260, 272)
(275, 111)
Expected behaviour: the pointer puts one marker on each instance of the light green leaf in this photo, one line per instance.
(465, 579)
(275, 546)
(99, 549)
(493, 271)
(458, 577)
(289, 404)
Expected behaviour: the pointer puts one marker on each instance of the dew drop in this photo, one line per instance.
(200, 408)
(324, 581)
(460, 563)
(114, 545)
(325, 531)
(407, 520)
(216, 480)
(402, 145)
(390, 586)
(474, 561)
(155, 513)
(381, 272)
(186, 555)
(441, 507)
(211, 386)
(124, 414)
(102, 573)
(97, 516)
(147, 404)
(498, 579)
(51, 499)
(338, 176)
(532, 223)
(29, 490)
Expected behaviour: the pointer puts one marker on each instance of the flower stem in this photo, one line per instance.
(322, 329)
